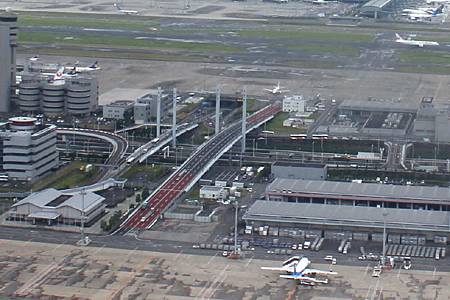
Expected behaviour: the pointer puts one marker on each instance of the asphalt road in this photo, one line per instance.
(132, 243)
(174, 186)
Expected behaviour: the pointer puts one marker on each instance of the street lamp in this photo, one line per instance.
(383, 257)
(236, 207)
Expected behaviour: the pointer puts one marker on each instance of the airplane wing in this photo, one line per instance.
(303, 278)
(269, 90)
(274, 269)
(284, 91)
(316, 271)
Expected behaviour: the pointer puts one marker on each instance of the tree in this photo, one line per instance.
(138, 198)
(131, 206)
(145, 193)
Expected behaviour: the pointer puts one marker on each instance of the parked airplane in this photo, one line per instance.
(277, 89)
(297, 269)
(438, 1)
(125, 11)
(34, 58)
(414, 42)
(76, 69)
(424, 13)
(6, 9)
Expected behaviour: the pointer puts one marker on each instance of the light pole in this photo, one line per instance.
(383, 257)
(236, 206)
(253, 147)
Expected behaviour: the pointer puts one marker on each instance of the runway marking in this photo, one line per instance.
(209, 284)
(249, 261)
(98, 249)
(367, 270)
(211, 259)
(178, 255)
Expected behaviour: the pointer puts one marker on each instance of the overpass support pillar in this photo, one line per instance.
(244, 119)
(217, 128)
(174, 118)
(158, 112)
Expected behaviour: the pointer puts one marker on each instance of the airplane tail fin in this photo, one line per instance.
(94, 65)
(398, 36)
(59, 74)
(438, 10)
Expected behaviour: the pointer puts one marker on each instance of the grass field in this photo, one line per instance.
(428, 57)
(104, 40)
(153, 172)
(276, 125)
(67, 177)
(425, 70)
(87, 22)
(326, 49)
(309, 34)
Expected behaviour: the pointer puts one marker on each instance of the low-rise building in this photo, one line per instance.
(51, 206)
(117, 110)
(145, 108)
(213, 192)
(293, 104)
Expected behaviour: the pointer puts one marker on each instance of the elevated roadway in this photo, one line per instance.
(150, 148)
(119, 143)
(191, 171)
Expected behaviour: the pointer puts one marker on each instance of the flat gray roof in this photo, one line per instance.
(298, 164)
(377, 3)
(351, 216)
(378, 105)
(374, 191)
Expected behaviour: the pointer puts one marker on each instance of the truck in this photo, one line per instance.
(306, 245)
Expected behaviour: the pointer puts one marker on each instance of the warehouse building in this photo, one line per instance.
(293, 170)
(359, 194)
(213, 192)
(348, 219)
(28, 150)
(51, 206)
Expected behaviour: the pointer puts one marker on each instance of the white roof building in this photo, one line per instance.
(51, 206)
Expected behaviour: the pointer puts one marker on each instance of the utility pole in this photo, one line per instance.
(158, 112)
(84, 241)
(244, 119)
(236, 206)
(174, 119)
(383, 258)
(217, 127)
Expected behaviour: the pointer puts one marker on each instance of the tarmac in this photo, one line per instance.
(40, 270)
